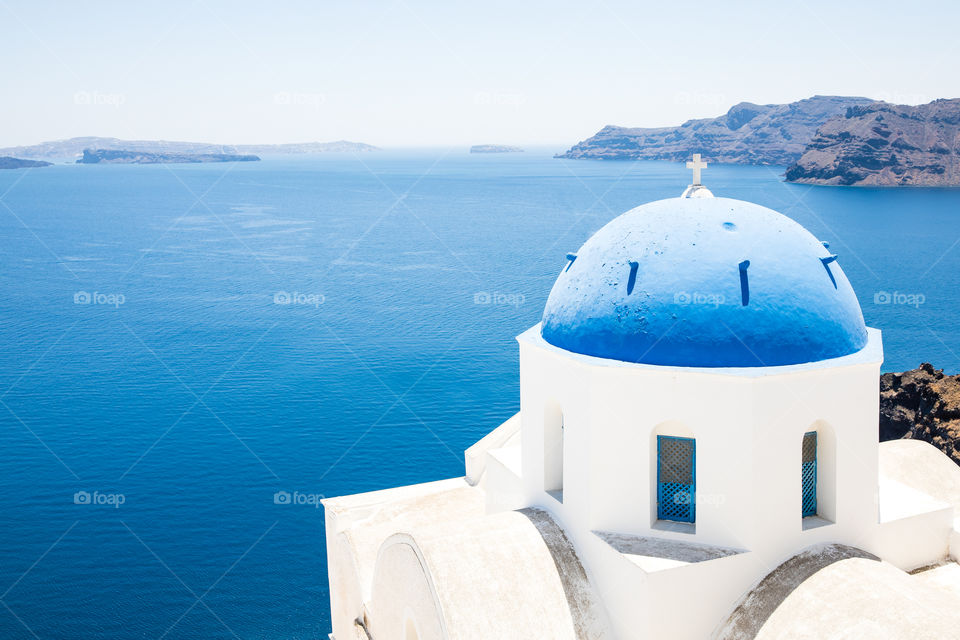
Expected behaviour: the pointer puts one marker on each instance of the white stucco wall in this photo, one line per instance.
(459, 559)
(748, 425)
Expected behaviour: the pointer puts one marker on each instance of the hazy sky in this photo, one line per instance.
(408, 73)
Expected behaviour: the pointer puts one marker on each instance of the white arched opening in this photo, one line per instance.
(818, 475)
(553, 451)
(403, 596)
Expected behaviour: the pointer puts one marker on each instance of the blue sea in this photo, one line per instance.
(192, 355)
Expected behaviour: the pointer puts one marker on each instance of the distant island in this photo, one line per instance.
(747, 134)
(7, 162)
(76, 146)
(124, 156)
(884, 145)
(494, 148)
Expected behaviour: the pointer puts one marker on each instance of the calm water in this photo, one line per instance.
(184, 391)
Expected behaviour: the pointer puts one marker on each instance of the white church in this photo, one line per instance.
(696, 456)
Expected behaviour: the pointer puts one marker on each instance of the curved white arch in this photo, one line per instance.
(400, 578)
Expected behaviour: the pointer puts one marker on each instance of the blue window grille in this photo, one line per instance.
(676, 479)
(809, 474)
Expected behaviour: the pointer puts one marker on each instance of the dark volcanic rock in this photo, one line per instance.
(923, 404)
(747, 134)
(885, 145)
(119, 156)
(6, 162)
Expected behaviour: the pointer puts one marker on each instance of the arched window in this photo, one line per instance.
(808, 474)
(676, 479)
(553, 452)
(818, 475)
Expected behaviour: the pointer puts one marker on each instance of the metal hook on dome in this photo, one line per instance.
(632, 281)
(571, 257)
(744, 283)
(826, 265)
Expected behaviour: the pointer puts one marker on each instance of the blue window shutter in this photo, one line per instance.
(808, 474)
(676, 479)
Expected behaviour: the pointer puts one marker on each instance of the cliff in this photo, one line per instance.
(747, 134)
(922, 404)
(885, 145)
(76, 146)
(6, 162)
(121, 156)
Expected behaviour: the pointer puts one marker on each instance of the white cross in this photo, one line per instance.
(696, 165)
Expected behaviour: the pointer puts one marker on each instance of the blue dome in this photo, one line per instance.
(704, 282)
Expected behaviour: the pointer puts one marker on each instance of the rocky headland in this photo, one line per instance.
(76, 146)
(123, 156)
(923, 404)
(747, 134)
(885, 145)
(6, 162)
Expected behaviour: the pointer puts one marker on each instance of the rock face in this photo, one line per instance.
(883, 144)
(747, 134)
(120, 156)
(922, 404)
(6, 162)
(494, 148)
(76, 146)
